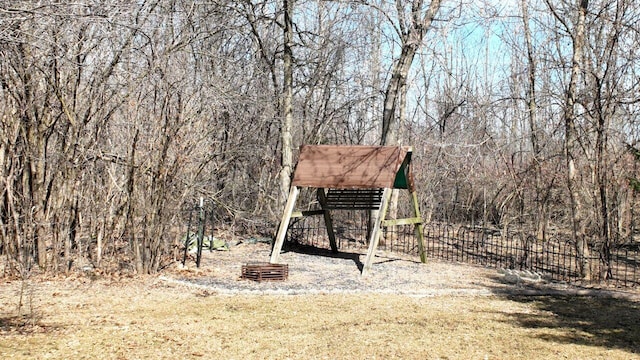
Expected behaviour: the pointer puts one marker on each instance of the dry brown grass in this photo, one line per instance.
(152, 319)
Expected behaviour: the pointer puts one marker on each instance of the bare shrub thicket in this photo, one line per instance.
(117, 115)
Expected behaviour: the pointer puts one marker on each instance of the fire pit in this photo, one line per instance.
(264, 271)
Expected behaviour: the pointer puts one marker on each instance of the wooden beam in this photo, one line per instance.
(328, 222)
(408, 221)
(375, 234)
(299, 214)
(419, 229)
(284, 224)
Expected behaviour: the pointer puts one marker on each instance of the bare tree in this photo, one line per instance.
(412, 27)
(534, 131)
(572, 140)
(287, 103)
(116, 115)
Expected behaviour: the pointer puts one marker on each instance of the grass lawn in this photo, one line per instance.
(151, 319)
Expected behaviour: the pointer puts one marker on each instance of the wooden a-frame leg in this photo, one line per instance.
(419, 229)
(284, 224)
(327, 220)
(375, 233)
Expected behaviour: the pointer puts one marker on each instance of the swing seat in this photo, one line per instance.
(354, 199)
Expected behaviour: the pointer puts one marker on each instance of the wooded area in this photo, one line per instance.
(117, 115)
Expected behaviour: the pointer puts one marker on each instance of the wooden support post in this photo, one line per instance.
(298, 214)
(375, 233)
(284, 224)
(322, 197)
(408, 221)
(419, 229)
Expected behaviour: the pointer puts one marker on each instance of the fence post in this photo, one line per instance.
(201, 220)
(187, 239)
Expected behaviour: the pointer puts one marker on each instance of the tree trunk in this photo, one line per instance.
(411, 41)
(287, 104)
(396, 84)
(130, 221)
(540, 206)
(396, 137)
(395, 96)
(572, 145)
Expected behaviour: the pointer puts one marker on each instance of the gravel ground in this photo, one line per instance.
(314, 271)
(318, 271)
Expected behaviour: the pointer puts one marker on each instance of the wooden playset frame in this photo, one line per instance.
(352, 177)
